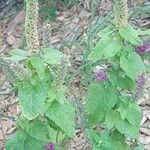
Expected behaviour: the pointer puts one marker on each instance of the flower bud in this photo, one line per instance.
(50, 146)
(101, 75)
(142, 49)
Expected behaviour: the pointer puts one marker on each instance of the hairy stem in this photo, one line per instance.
(14, 69)
(46, 39)
(31, 25)
(121, 12)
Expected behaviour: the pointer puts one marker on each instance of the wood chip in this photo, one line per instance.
(144, 118)
(145, 131)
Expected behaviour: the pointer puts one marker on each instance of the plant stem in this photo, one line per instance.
(121, 13)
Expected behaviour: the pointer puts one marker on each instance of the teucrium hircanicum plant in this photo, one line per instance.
(47, 116)
(111, 99)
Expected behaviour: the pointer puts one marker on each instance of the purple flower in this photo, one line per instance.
(143, 48)
(100, 75)
(50, 146)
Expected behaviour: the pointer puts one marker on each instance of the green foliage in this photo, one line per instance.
(123, 82)
(143, 32)
(100, 141)
(97, 52)
(100, 100)
(106, 31)
(126, 118)
(137, 67)
(130, 35)
(38, 63)
(18, 55)
(32, 98)
(119, 141)
(52, 56)
(46, 114)
(63, 116)
(129, 129)
(33, 128)
(21, 140)
(106, 141)
(29, 137)
(113, 48)
(106, 101)
(43, 103)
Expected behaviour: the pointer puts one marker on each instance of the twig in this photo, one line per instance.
(2, 129)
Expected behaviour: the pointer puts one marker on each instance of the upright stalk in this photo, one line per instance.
(31, 25)
(121, 12)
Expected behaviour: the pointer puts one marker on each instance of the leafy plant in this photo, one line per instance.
(45, 109)
(47, 116)
(111, 97)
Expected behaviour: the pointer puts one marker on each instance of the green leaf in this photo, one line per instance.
(60, 97)
(125, 119)
(113, 48)
(52, 56)
(123, 110)
(33, 128)
(106, 31)
(51, 95)
(97, 52)
(32, 98)
(21, 140)
(46, 133)
(93, 119)
(100, 141)
(56, 135)
(119, 140)
(123, 82)
(63, 115)
(143, 32)
(126, 83)
(58, 147)
(128, 129)
(18, 54)
(110, 119)
(130, 35)
(100, 99)
(123, 125)
(93, 135)
(122, 146)
(128, 108)
(58, 94)
(132, 64)
(38, 63)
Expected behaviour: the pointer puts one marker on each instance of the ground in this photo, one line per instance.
(71, 26)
